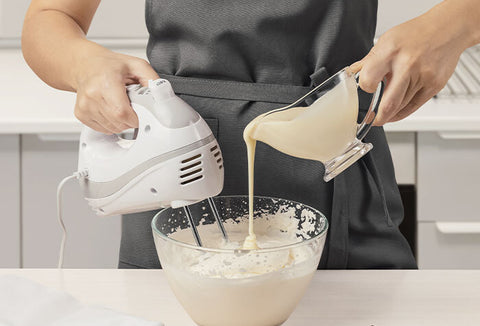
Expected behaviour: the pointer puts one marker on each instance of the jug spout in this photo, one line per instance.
(250, 131)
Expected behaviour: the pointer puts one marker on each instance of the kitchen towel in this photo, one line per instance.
(26, 303)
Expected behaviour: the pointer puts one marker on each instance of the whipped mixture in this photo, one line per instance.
(319, 132)
(272, 231)
(243, 287)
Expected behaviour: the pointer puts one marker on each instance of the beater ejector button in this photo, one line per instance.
(161, 89)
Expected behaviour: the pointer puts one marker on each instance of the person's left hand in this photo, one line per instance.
(416, 59)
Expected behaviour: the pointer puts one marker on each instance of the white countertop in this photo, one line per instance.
(27, 105)
(340, 298)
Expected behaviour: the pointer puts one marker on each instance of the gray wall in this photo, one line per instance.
(394, 12)
(114, 19)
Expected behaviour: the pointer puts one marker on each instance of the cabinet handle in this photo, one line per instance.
(458, 135)
(59, 137)
(458, 227)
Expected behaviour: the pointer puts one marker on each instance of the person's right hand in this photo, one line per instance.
(102, 101)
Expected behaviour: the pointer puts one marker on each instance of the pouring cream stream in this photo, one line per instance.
(319, 132)
(251, 240)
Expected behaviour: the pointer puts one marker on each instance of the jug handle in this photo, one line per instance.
(366, 124)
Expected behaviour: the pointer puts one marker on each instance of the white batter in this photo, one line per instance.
(254, 288)
(321, 131)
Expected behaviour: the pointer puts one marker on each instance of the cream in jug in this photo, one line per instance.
(321, 131)
(318, 132)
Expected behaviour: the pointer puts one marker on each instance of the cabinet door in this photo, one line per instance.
(448, 176)
(92, 242)
(449, 245)
(402, 147)
(9, 201)
(113, 19)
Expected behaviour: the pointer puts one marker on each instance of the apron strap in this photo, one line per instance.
(235, 90)
(338, 232)
(370, 164)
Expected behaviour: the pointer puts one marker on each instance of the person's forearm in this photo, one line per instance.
(54, 45)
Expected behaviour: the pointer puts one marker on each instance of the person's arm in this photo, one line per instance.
(55, 47)
(418, 57)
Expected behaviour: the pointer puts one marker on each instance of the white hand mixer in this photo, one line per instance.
(174, 161)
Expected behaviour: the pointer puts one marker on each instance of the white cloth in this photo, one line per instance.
(26, 303)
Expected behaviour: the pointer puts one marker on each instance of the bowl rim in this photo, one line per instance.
(322, 232)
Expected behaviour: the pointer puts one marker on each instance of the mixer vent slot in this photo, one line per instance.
(190, 173)
(191, 166)
(191, 180)
(217, 155)
(191, 158)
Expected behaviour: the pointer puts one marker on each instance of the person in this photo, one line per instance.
(234, 60)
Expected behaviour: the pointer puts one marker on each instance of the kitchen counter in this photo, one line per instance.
(27, 105)
(341, 298)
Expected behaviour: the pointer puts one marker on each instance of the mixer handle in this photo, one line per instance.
(90, 135)
(366, 124)
(155, 105)
(111, 143)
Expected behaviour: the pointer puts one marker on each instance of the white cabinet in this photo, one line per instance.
(448, 200)
(93, 242)
(114, 19)
(9, 201)
(449, 245)
(449, 176)
(402, 147)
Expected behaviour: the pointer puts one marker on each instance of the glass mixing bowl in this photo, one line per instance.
(221, 284)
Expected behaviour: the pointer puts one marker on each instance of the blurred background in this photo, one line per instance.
(436, 154)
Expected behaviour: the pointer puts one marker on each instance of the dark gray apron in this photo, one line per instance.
(234, 60)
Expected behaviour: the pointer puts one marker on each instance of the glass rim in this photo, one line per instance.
(322, 232)
(338, 76)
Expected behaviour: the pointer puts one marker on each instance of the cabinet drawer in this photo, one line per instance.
(448, 176)
(402, 147)
(448, 245)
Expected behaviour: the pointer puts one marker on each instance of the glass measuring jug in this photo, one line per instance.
(322, 125)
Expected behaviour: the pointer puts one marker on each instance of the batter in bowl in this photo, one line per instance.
(244, 287)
